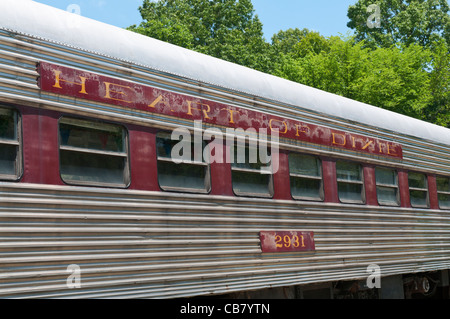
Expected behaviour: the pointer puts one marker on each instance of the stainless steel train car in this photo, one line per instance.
(353, 201)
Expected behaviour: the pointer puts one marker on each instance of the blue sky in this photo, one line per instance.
(329, 17)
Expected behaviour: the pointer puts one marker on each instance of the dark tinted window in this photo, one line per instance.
(93, 153)
(350, 182)
(10, 154)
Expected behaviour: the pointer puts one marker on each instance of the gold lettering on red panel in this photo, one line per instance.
(159, 99)
(109, 91)
(205, 112)
(341, 140)
(282, 122)
(62, 80)
(58, 81)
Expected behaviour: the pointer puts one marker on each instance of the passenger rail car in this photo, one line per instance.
(93, 205)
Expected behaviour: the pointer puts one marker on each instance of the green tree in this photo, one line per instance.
(397, 79)
(337, 70)
(438, 110)
(226, 29)
(298, 43)
(291, 47)
(402, 21)
(393, 78)
(284, 41)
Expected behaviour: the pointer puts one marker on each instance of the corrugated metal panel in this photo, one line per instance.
(142, 244)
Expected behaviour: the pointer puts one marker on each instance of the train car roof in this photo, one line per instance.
(47, 23)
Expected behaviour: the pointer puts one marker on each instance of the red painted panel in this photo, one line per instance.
(286, 241)
(432, 192)
(85, 85)
(281, 179)
(144, 171)
(330, 181)
(370, 185)
(40, 147)
(221, 183)
(403, 184)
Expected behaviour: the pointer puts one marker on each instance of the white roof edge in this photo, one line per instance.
(48, 23)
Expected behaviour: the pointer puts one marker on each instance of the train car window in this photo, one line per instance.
(350, 182)
(418, 189)
(188, 176)
(250, 175)
(10, 163)
(305, 177)
(93, 153)
(387, 186)
(443, 188)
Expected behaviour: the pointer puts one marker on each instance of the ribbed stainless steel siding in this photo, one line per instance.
(132, 244)
(142, 244)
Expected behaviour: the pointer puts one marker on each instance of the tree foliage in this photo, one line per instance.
(226, 29)
(439, 109)
(402, 21)
(406, 23)
(299, 43)
(392, 78)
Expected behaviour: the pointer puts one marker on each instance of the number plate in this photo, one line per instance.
(281, 241)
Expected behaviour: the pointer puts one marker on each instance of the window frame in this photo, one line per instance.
(361, 182)
(125, 155)
(442, 192)
(18, 143)
(208, 184)
(426, 189)
(321, 194)
(396, 187)
(270, 186)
